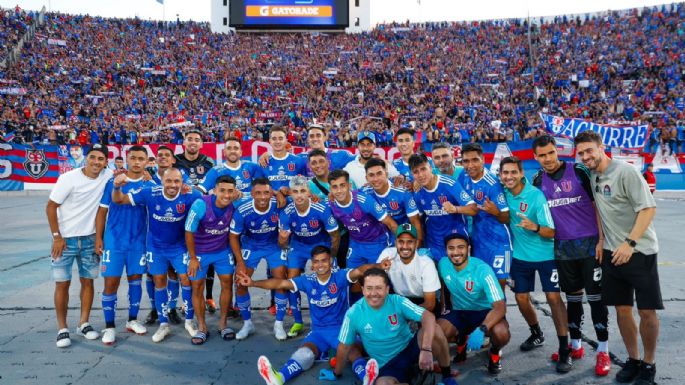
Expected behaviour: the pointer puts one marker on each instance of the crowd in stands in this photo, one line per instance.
(13, 24)
(135, 81)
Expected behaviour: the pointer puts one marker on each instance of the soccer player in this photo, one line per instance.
(206, 235)
(443, 158)
(71, 211)
(283, 166)
(397, 201)
(443, 202)
(629, 253)
(380, 320)
(533, 230)
(412, 273)
(366, 145)
(167, 209)
(569, 196)
(478, 306)
(319, 164)
(191, 161)
(365, 219)
(491, 237)
(242, 171)
(253, 237)
(405, 143)
(124, 246)
(326, 291)
(165, 161)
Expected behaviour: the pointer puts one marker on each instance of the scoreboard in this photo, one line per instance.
(289, 14)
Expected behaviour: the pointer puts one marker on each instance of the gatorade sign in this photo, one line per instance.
(288, 11)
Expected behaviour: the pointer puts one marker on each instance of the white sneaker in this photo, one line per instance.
(279, 332)
(268, 373)
(191, 328)
(161, 333)
(87, 331)
(109, 335)
(245, 331)
(63, 339)
(136, 327)
(371, 372)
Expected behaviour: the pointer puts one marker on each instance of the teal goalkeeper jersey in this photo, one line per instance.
(529, 246)
(474, 288)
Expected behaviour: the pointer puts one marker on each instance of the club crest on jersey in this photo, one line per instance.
(442, 199)
(36, 165)
(180, 208)
(393, 319)
(333, 288)
(523, 207)
(479, 195)
(394, 205)
(246, 174)
(313, 223)
(566, 185)
(468, 285)
(291, 166)
(274, 218)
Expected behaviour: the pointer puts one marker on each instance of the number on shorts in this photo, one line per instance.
(498, 262)
(143, 259)
(246, 254)
(284, 255)
(554, 278)
(149, 257)
(349, 253)
(186, 258)
(105, 256)
(597, 275)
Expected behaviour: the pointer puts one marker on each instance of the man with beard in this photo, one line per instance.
(194, 164)
(629, 253)
(443, 159)
(366, 145)
(242, 171)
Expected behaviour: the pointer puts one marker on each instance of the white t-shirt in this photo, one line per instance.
(79, 199)
(415, 278)
(358, 173)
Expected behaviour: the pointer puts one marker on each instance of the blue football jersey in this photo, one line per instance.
(403, 168)
(243, 175)
(157, 180)
(310, 228)
(399, 203)
(166, 218)
(256, 229)
(327, 300)
(280, 171)
(126, 226)
(486, 227)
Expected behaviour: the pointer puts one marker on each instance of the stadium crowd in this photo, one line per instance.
(135, 81)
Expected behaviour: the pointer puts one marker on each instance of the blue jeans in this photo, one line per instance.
(81, 249)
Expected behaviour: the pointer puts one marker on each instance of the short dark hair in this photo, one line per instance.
(373, 162)
(260, 182)
(440, 145)
(471, 147)
(278, 128)
(316, 127)
(542, 141)
(403, 131)
(233, 139)
(225, 179)
(165, 148)
(119, 158)
(316, 152)
(151, 158)
(457, 236)
(193, 131)
(416, 160)
(137, 148)
(335, 174)
(376, 272)
(511, 159)
(320, 249)
(588, 136)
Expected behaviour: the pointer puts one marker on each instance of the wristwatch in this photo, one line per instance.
(631, 243)
(483, 328)
(55, 235)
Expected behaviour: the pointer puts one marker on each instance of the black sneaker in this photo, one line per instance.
(461, 354)
(629, 371)
(534, 341)
(151, 318)
(494, 363)
(646, 374)
(565, 362)
(174, 318)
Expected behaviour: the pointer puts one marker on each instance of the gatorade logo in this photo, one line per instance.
(288, 11)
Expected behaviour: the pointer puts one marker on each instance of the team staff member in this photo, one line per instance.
(569, 196)
(366, 145)
(533, 229)
(71, 212)
(629, 258)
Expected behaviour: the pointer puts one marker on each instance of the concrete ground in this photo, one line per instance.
(27, 326)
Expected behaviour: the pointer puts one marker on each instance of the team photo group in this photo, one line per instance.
(404, 264)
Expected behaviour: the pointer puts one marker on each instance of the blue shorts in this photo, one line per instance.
(363, 253)
(274, 257)
(403, 365)
(498, 257)
(159, 262)
(222, 260)
(113, 262)
(523, 276)
(81, 249)
(466, 321)
(324, 338)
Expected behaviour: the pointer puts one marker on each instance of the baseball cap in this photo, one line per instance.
(101, 148)
(366, 135)
(407, 228)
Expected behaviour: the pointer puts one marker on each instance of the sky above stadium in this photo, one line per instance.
(381, 10)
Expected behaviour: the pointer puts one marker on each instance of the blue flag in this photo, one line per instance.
(612, 136)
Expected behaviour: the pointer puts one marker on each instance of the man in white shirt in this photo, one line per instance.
(71, 212)
(412, 273)
(366, 145)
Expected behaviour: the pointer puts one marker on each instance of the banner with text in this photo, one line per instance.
(612, 135)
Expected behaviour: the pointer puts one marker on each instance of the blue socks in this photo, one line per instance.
(281, 301)
(187, 297)
(172, 287)
(162, 304)
(135, 293)
(244, 306)
(109, 303)
(150, 289)
(359, 368)
(290, 370)
(295, 305)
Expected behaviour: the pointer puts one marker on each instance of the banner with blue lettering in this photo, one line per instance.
(612, 136)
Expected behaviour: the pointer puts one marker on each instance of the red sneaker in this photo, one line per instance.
(603, 365)
(576, 354)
